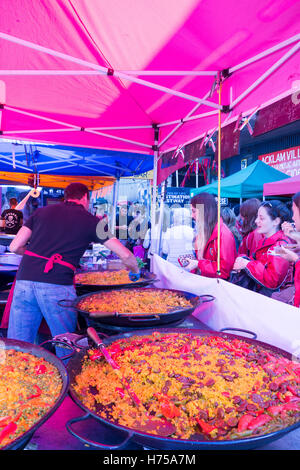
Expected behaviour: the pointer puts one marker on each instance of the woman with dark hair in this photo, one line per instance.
(205, 213)
(293, 255)
(268, 272)
(229, 218)
(251, 236)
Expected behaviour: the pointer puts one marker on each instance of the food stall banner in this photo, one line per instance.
(273, 321)
(287, 160)
(278, 114)
(230, 141)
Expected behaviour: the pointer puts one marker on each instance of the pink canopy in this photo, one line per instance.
(286, 187)
(140, 75)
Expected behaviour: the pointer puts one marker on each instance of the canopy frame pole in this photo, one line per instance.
(106, 71)
(35, 131)
(103, 134)
(154, 192)
(265, 75)
(161, 215)
(8, 161)
(114, 205)
(182, 122)
(163, 73)
(158, 73)
(264, 54)
(43, 118)
(57, 168)
(219, 186)
(191, 118)
(74, 128)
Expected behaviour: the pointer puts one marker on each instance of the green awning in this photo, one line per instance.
(245, 183)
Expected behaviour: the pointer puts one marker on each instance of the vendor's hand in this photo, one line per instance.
(134, 277)
(240, 263)
(193, 264)
(284, 253)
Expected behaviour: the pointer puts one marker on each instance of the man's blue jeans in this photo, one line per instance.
(34, 300)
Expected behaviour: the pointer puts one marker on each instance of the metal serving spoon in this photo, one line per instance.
(160, 427)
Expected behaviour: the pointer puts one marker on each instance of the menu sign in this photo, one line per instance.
(287, 161)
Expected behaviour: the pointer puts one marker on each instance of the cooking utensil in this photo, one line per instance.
(38, 352)
(161, 427)
(168, 443)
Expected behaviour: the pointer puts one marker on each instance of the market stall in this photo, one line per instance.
(247, 183)
(284, 187)
(87, 86)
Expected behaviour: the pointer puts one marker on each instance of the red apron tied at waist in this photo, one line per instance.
(56, 258)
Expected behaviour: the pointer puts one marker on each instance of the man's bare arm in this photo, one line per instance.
(124, 254)
(18, 245)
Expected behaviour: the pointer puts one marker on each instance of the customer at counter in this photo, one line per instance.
(205, 214)
(52, 241)
(12, 219)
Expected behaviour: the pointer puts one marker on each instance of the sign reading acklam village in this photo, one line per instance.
(287, 161)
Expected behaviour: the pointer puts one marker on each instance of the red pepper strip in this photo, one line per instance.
(256, 386)
(244, 422)
(259, 421)
(40, 369)
(205, 427)
(185, 349)
(96, 355)
(5, 420)
(275, 410)
(121, 391)
(37, 394)
(293, 390)
(280, 396)
(169, 410)
(9, 429)
(291, 398)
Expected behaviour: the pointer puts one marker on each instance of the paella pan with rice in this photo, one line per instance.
(148, 301)
(213, 388)
(33, 383)
(95, 280)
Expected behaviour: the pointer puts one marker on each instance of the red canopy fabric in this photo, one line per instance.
(101, 74)
(286, 187)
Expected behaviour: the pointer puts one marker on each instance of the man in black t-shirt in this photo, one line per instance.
(52, 241)
(13, 218)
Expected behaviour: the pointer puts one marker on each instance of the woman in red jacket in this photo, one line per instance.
(205, 213)
(268, 272)
(249, 232)
(293, 256)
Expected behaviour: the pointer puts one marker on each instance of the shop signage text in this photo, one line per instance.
(287, 161)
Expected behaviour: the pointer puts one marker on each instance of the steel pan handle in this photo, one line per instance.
(61, 304)
(55, 342)
(208, 297)
(141, 318)
(242, 330)
(91, 442)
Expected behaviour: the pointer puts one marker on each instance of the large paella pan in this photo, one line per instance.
(103, 279)
(218, 389)
(137, 307)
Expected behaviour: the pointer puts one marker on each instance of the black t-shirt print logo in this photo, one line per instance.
(11, 220)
